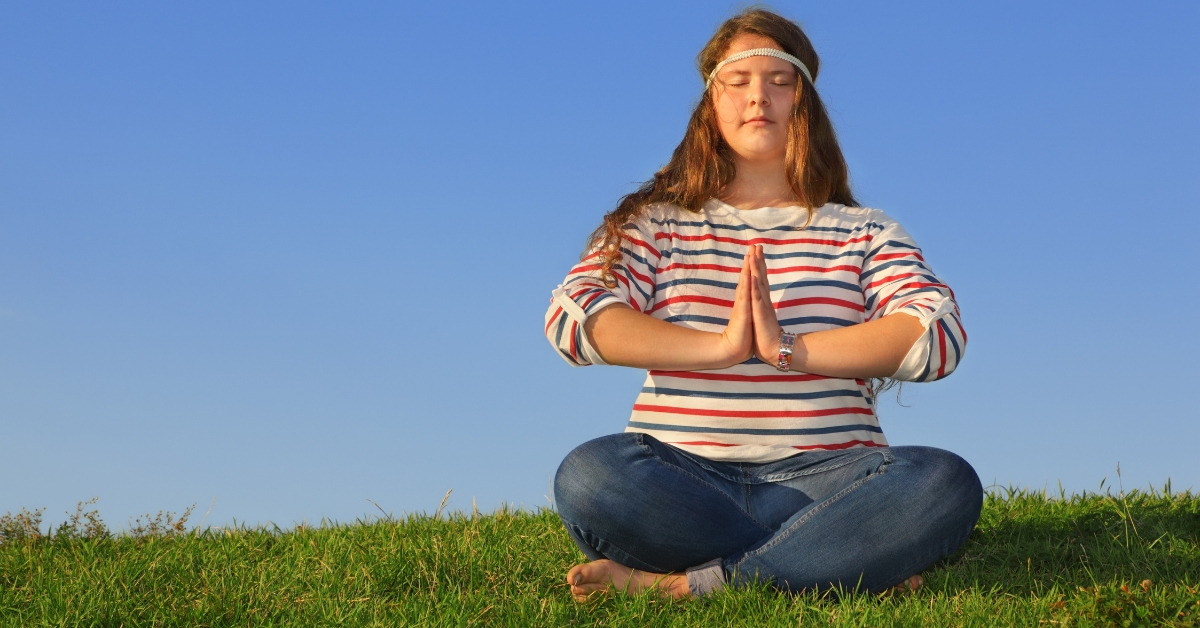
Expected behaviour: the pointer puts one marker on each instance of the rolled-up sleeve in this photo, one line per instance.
(582, 294)
(896, 279)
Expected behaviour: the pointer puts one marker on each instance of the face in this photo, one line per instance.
(753, 99)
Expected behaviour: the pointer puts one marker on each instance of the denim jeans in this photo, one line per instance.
(863, 518)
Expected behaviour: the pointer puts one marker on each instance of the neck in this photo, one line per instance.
(758, 184)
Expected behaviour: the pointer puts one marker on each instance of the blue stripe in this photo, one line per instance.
(895, 243)
(835, 429)
(601, 301)
(731, 285)
(738, 256)
(816, 320)
(928, 358)
(830, 283)
(813, 255)
(953, 342)
(634, 282)
(569, 358)
(713, 225)
(630, 254)
(679, 392)
(562, 322)
(582, 296)
(696, 318)
(892, 264)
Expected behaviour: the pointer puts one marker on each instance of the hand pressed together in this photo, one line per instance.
(753, 328)
(629, 337)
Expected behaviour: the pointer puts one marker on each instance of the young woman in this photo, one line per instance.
(766, 307)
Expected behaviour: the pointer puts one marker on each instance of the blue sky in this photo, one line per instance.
(295, 256)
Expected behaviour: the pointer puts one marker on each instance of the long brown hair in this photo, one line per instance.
(702, 165)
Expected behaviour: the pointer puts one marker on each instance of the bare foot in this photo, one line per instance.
(601, 577)
(912, 583)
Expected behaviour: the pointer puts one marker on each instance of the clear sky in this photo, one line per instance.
(295, 256)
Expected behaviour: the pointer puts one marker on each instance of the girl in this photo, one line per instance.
(767, 307)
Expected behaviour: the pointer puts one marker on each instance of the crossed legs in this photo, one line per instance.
(867, 519)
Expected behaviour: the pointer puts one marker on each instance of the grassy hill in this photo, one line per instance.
(1034, 560)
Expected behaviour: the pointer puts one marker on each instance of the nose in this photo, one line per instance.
(758, 93)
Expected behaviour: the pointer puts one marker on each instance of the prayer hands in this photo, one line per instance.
(753, 328)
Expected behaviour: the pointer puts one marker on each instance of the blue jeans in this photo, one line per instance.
(864, 518)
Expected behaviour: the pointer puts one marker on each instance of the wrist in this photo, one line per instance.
(785, 347)
(723, 353)
(769, 354)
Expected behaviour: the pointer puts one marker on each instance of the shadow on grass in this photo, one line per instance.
(1028, 542)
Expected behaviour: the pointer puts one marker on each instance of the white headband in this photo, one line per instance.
(760, 52)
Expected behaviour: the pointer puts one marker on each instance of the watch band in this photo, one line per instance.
(787, 342)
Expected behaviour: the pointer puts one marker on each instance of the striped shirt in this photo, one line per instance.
(847, 266)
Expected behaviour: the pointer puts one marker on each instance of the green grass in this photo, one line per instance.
(1089, 560)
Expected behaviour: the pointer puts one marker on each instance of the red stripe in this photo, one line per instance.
(695, 298)
(941, 351)
(579, 270)
(892, 278)
(770, 271)
(845, 445)
(703, 442)
(720, 377)
(552, 319)
(579, 290)
(642, 244)
(884, 256)
(752, 414)
(579, 285)
(621, 278)
(716, 267)
(591, 299)
(751, 241)
(916, 284)
(640, 277)
(817, 301)
(692, 298)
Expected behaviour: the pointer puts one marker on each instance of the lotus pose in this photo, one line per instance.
(767, 308)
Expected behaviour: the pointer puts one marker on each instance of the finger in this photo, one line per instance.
(760, 261)
(752, 259)
(745, 282)
(762, 286)
(747, 277)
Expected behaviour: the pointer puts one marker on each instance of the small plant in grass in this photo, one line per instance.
(27, 526)
(86, 524)
(163, 524)
(23, 525)
(83, 524)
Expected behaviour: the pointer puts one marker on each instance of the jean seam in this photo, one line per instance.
(704, 482)
(783, 534)
(779, 477)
